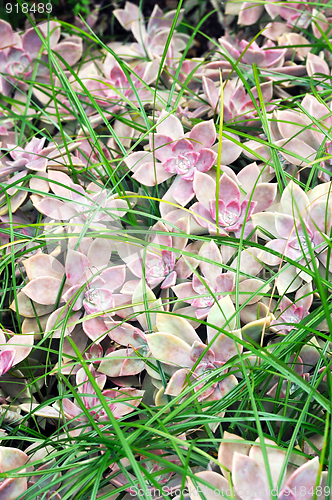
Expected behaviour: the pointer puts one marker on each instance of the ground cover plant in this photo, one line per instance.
(166, 215)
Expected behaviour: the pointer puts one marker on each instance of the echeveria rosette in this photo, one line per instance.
(81, 202)
(162, 266)
(97, 296)
(178, 347)
(298, 137)
(235, 209)
(219, 283)
(114, 89)
(120, 401)
(177, 154)
(237, 103)
(150, 39)
(292, 312)
(301, 221)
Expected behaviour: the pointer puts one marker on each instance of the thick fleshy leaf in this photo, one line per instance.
(275, 456)
(44, 290)
(211, 252)
(169, 125)
(41, 265)
(7, 357)
(95, 329)
(227, 448)
(225, 347)
(248, 290)
(177, 382)
(22, 345)
(305, 477)
(204, 187)
(219, 315)
(177, 326)
(203, 135)
(76, 266)
(218, 484)
(121, 363)
(170, 349)
(25, 307)
(249, 477)
(250, 13)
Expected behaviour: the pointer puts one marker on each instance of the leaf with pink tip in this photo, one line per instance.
(316, 64)
(43, 265)
(264, 195)
(114, 277)
(203, 135)
(151, 173)
(227, 449)
(303, 479)
(12, 488)
(177, 382)
(250, 13)
(249, 477)
(44, 290)
(285, 224)
(170, 349)
(95, 329)
(22, 345)
(211, 92)
(7, 357)
(183, 192)
(56, 209)
(169, 125)
(122, 362)
(277, 245)
(11, 458)
(76, 266)
(228, 190)
(177, 326)
(204, 187)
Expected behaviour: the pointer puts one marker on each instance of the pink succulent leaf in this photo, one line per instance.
(6, 360)
(204, 187)
(44, 290)
(184, 191)
(177, 382)
(305, 476)
(170, 126)
(76, 267)
(284, 224)
(170, 349)
(246, 471)
(152, 173)
(95, 329)
(203, 135)
(162, 146)
(228, 190)
(197, 350)
(250, 13)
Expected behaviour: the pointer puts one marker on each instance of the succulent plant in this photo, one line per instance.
(248, 468)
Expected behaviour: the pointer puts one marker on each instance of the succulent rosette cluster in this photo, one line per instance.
(165, 238)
